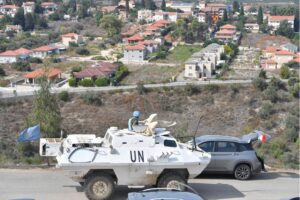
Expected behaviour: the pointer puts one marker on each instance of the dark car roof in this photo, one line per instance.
(172, 195)
(206, 138)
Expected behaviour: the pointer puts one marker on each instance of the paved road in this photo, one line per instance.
(41, 184)
(7, 92)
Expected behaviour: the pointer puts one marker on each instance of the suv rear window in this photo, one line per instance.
(245, 147)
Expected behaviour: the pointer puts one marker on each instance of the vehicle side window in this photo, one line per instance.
(245, 147)
(170, 143)
(207, 146)
(226, 147)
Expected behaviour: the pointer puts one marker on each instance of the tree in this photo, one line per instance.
(260, 83)
(2, 72)
(42, 22)
(225, 16)
(46, 111)
(284, 72)
(142, 3)
(98, 16)
(163, 5)
(150, 5)
(260, 17)
(242, 13)
(29, 22)
(262, 74)
(111, 25)
(285, 29)
(236, 6)
(19, 18)
(127, 8)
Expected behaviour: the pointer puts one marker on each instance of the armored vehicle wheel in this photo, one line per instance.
(99, 187)
(242, 172)
(172, 180)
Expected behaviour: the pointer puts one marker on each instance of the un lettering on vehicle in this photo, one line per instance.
(137, 156)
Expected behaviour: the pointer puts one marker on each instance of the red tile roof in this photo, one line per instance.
(270, 62)
(135, 47)
(271, 49)
(135, 38)
(284, 53)
(17, 52)
(99, 69)
(281, 18)
(297, 59)
(225, 32)
(228, 26)
(72, 35)
(45, 4)
(10, 6)
(51, 72)
(44, 48)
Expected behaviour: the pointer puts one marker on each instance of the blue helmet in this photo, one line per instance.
(136, 113)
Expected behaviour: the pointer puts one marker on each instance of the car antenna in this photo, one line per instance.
(194, 137)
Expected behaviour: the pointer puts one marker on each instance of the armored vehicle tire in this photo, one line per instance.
(99, 187)
(81, 183)
(242, 172)
(172, 180)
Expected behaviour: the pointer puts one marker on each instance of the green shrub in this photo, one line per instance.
(63, 95)
(260, 84)
(21, 66)
(86, 82)
(276, 83)
(295, 90)
(292, 121)
(102, 82)
(292, 134)
(2, 72)
(121, 73)
(213, 88)
(191, 89)
(99, 58)
(76, 69)
(72, 82)
(91, 98)
(271, 94)
(266, 111)
(35, 60)
(235, 88)
(293, 80)
(284, 72)
(82, 51)
(141, 88)
(262, 74)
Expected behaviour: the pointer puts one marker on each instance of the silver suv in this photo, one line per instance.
(233, 155)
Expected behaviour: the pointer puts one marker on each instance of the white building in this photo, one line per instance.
(201, 17)
(136, 53)
(49, 7)
(169, 16)
(274, 21)
(9, 10)
(12, 56)
(203, 63)
(71, 38)
(28, 7)
(14, 28)
(252, 27)
(43, 51)
(185, 7)
(145, 15)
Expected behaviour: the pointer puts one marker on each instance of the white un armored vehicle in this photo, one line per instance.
(140, 155)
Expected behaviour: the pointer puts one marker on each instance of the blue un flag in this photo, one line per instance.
(30, 134)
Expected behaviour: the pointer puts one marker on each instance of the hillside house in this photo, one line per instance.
(185, 7)
(52, 75)
(227, 33)
(43, 51)
(252, 27)
(289, 47)
(146, 15)
(274, 21)
(14, 28)
(203, 63)
(68, 38)
(100, 69)
(9, 10)
(11, 56)
(49, 7)
(135, 53)
(28, 7)
(168, 16)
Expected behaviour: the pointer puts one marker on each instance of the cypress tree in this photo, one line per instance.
(260, 17)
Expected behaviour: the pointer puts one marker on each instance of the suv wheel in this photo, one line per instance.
(99, 187)
(242, 172)
(172, 180)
